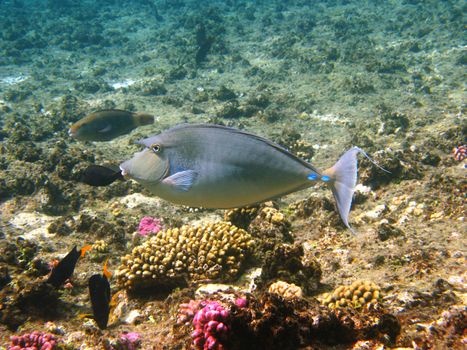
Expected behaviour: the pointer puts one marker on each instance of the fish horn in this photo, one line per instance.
(342, 180)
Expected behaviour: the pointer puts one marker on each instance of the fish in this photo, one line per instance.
(99, 293)
(213, 166)
(107, 124)
(65, 267)
(98, 175)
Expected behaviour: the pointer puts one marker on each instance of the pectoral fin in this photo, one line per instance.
(106, 129)
(181, 181)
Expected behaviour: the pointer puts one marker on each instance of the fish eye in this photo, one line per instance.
(156, 148)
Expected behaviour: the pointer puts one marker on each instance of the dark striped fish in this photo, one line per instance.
(107, 124)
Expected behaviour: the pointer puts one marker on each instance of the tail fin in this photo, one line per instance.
(343, 179)
(144, 118)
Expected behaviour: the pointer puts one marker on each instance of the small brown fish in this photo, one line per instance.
(65, 267)
(107, 124)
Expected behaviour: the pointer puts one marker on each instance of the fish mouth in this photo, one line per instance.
(145, 167)
(71, 132)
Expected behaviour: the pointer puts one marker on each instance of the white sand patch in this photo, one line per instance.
(122, 84)
(34, 225)
(136, 200)
(13, 79)
(329, 118)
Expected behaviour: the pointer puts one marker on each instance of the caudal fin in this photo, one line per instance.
(144, 118)
(343, 179)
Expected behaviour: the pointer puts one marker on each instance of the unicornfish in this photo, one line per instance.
(212, 166)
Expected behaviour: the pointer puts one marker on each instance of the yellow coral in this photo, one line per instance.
(358, 294)
(286, 290)
(272, 215)
(189, 253)
(100, 246)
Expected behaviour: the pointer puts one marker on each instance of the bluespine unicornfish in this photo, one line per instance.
(99, 292)
(211, 166)
(65, 267)
(108, 124)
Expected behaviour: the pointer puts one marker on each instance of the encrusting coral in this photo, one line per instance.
(149, 225)
(34, 340)
(241, 217)
(290, 264)
(358, 294)
(286, 290)
(175, 256)
(127, 341)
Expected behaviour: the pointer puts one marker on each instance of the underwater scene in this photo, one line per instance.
(233, 174)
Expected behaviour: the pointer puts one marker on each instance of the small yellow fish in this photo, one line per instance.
(107, 124)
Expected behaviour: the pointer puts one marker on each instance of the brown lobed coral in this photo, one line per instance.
(177, 256)
(358, 294)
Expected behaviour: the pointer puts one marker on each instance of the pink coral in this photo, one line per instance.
(128, 341)
(211, 324)
(33, 341)
(187, 311)
(149, 225)
(241, 302)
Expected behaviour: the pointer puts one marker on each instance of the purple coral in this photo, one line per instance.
(241, 302)
(33, 341)
(211, 324)
(149, 225)
(128, 341)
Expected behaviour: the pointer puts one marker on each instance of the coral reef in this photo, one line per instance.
(190, 253)
(127, 341)
(24, 299)
(19, 252)
(241, 217)
(35, 340)
(288, 263)
(285, 290)
(100, 246)
(272, 322)
(357, 295)
(211, 326)
(271, 227)
(316, 77)
(186, 311)
(149, 225)
(292, 141)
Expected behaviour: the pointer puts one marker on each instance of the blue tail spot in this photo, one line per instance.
(325, 178)
(312, 177)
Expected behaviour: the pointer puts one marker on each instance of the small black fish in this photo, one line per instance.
(99, 292)
(65, 267)
(98, 175)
